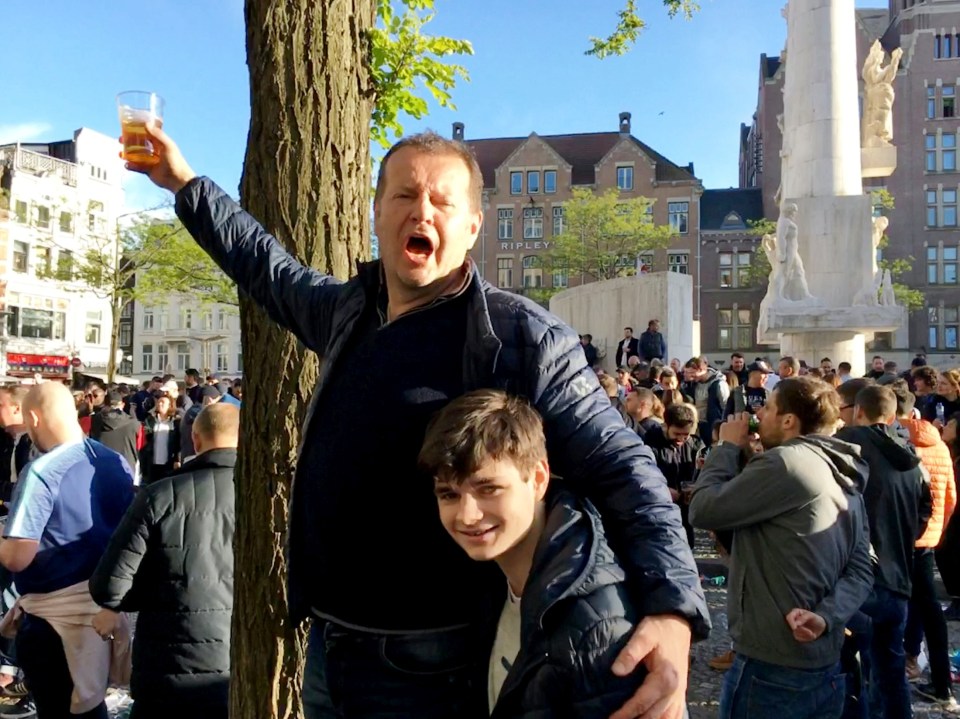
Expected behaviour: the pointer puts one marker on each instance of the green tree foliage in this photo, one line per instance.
(603, 234)
(630, 25)
(402, 59)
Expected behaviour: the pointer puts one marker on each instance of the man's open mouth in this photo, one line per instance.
(419, 245)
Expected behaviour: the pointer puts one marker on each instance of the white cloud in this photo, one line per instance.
(23, 132)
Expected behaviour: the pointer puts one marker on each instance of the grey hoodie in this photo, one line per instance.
(800, 540)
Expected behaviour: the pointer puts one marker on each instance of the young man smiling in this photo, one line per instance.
(566, 613)
(429, 328)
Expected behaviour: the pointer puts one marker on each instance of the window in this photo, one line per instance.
(163, 357)
(505, 224)
(931, 103)
(677, 262)
(31, 323)
(561, 277)
(505, 272)
(186, 318)
(148, 319)
(223, 359)
(734, 269)
(930, 143)
(146, 358)
(931, 208)
(516, 183)
(532, 272)
(734, 329)
(625, 178)
(183, 356)
(944, 47)
(163, 318)
(942, 207)
(126, 335)
(21, 252)
(558, 215)
(678, 213)
(947, 101)
(949, 198)
(532, 223)
(549, 181)
(943, 331)
(43, 217)
(205, 362)
(223, 320)
(66, 222)
(126, 368)
(206, 320)
(644, 263)
(127, 311)
(91, 332)
(533, 181)
(941, 153)
(21, 211)
(942, 265)
(44, 262)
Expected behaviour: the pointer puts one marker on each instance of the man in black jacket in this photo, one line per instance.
(116, 429)
(629, 347)
(898, 504)
(171, 560)
(423, 322)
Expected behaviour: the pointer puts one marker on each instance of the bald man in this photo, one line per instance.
(171, 560)
(66, 505)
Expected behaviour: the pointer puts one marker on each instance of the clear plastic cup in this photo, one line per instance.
(136, 108)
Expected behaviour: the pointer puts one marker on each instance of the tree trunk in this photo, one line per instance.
(116, 308)
(307, 179)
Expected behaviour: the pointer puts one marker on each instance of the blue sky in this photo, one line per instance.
(689, 85)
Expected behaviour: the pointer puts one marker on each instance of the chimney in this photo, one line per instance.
(458, 131)
(624, 123)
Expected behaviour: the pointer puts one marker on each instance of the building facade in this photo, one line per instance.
(171, 337)
(57, 201)
(527, 180)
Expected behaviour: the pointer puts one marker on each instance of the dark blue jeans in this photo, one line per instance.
(362, 675)
(885, 671)
(756, 690)
(925, 617)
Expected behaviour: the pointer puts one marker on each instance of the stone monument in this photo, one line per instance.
(825, 297)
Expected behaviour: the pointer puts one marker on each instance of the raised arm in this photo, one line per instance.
(297, 297)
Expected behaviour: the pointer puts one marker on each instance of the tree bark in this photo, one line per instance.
(307, 179)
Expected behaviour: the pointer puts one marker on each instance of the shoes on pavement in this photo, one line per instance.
(24, 709)
(723, 662)
(945, 702)
(913, 669)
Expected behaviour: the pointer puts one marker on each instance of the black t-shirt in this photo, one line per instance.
(374, 552)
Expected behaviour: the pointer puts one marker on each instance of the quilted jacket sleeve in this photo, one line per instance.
(298, 298)
(112, 583)
(591, 448)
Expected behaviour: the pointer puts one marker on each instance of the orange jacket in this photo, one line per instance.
(935, 457)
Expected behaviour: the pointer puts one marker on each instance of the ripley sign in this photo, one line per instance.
(524, 245)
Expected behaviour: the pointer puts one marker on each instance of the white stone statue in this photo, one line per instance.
(880, 225)
(869, 295)
(877, 127)
(775, 288)
(794, 279)
(888, 297)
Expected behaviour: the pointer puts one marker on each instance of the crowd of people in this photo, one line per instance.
(764, 457)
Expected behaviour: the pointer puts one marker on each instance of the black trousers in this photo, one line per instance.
(41, 657)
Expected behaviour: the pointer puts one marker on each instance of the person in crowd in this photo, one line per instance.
(209, 394)
(160, 454)
(139, 400)
(925, 381)
(733, 379)
(738, 365)
(19, 450)
(897, 499)
(844, 370)
(677, 366)
(949, 549)
(589, 351)
(676, 446)
(625, 382)
(421, 317)
(801, 567)
(710, 392)
(191, 381)
(652, 344)
(948, 395)
(826, 365)
(640, 405)
(876, 368)
(565, 596)
(752, 396)
(115, 429)
(925, 618)
(628, 347)
(234, 394)
(68, 503)
(171, 561)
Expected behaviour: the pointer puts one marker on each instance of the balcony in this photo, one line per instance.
(179, 334)
(39, 164)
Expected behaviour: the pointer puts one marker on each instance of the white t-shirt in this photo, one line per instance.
(161, 441)
(505, 647)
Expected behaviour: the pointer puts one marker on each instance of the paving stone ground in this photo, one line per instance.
(703, 695)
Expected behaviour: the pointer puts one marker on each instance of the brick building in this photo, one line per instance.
(527, 180)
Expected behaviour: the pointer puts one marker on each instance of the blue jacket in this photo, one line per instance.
(512, 344)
